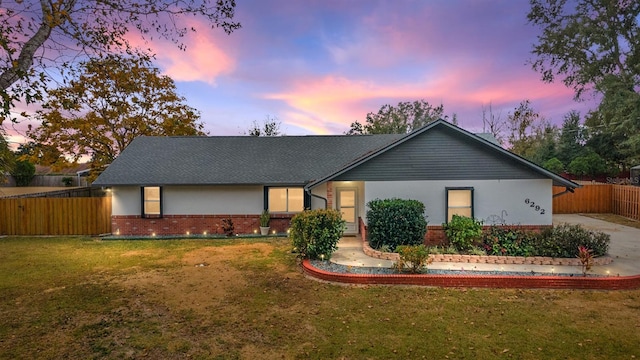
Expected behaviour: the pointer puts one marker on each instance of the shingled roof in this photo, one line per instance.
(237, 160)
(271, 161)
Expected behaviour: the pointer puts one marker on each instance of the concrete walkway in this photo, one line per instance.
(624, 249)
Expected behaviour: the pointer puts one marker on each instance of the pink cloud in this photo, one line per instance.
(207, 55)
(325, 103)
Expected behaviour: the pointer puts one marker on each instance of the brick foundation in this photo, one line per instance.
(194, 224)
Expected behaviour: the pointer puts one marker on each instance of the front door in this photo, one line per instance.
(347, 206)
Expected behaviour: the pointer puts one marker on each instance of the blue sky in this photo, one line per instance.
(320, 65)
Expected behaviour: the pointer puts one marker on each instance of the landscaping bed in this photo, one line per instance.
(489, 259)
(347, 269)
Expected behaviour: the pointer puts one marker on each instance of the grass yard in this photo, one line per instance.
(82, 298)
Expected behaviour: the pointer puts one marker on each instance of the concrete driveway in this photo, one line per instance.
(624, 247)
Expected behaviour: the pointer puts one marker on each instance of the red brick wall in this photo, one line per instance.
(479, 281)
(435, 233)
(194, 224)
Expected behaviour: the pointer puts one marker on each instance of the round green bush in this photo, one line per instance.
(395, 222)
(315, 233)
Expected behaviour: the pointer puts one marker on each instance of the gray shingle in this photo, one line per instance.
(283, 160)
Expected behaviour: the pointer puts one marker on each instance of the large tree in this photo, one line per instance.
(521, 127)
(109, 103)
(7, 158)
(530, 135)
(572, 140)
(594, 46)
(400, 119)
(615, 126)
(493, 123)
(270, 127)
(42, 154)
(38, 36)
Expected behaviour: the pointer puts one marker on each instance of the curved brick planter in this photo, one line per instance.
(479, 281)
(488, 259)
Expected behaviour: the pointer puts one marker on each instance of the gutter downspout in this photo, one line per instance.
(326, 202)
(568, 190)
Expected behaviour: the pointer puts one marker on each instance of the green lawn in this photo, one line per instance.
(81, 298)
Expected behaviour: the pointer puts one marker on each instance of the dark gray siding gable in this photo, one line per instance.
(440, 154)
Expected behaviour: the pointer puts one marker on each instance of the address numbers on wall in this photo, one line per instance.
(532, 204)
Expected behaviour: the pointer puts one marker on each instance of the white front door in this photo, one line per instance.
(347, 206)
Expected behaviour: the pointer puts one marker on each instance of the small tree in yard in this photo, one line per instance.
(23, 172)
(412, 258)
(315, 233)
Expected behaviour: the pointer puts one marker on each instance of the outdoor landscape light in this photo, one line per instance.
(187, 233)
(204, 233)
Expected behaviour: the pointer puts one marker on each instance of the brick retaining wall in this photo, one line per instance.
(488, 259)
(479, 281)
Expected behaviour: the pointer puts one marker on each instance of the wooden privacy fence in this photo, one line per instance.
(626, 201)
(55, 216)
(622, 200)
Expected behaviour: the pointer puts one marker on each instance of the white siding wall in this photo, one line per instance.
(125, 200)
(491, 197)
(320, 190)
(202, 200)
(193, 200)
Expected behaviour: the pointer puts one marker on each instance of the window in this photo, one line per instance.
(285, 199)
(459, 202)
(151, 202)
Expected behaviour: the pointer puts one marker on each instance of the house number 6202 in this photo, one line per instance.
(532, 204)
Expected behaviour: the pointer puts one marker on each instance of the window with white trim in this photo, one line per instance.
(285, 199)
(151, 202)
(459, 202)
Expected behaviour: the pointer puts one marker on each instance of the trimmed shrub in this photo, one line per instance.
(413, 258)
(315, 233)
(564, 240)
(462, 232)
(395, 222)
(507, 242)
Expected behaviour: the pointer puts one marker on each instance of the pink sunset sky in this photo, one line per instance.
(318, 66)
